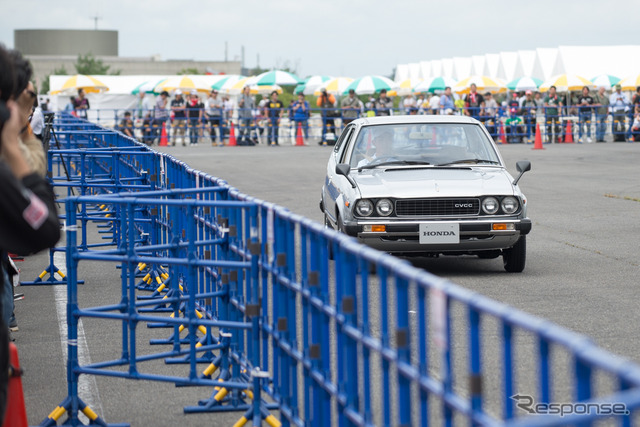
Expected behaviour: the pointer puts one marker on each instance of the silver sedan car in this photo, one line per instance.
(426, 186)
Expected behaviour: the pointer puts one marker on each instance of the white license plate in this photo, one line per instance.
(438, 233)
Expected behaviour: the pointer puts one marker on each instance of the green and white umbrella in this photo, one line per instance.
(368, 85)
(524, 83)
(605, 80)
(310, 84)
(148, 86)
(276, 77)
(434, 84)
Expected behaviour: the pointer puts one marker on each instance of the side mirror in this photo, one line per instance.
(344, 169)
(522, 167)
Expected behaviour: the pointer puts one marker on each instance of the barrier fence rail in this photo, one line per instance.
(280, 332)
(519, 126)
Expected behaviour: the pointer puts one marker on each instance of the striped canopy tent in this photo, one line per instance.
(483, 84)
(630, 82)
(434, 85)
(310, 84)
(80, 81)
(566, 83)
(335, 86)
(606, 81)
(368, 85)
(524, 83)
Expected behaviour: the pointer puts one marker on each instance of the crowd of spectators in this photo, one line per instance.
(516, 114)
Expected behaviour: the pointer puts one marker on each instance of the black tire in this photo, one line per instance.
(516, 257)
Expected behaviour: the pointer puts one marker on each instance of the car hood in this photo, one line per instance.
(433, 182)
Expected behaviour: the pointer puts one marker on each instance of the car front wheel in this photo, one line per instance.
(516, 257)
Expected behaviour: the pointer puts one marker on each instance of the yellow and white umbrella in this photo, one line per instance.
(185, 84)
(80, 81)
(483, 83)
(566, 83)
(405, 87)
(630, 83)
(335, 86)
(235, 87)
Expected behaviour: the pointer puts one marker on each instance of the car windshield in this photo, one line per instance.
(438, 144)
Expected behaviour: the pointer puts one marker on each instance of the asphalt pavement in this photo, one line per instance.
(582, 271)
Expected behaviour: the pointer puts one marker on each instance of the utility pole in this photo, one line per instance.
(95, 21)
(242, 55)
(226, 51)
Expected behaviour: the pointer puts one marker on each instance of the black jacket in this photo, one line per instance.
(28, 216)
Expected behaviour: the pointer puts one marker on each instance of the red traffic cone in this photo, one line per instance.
(537, 143)
(16, 413)
(164, 141)
(503, 137)
(568, 137)
(232, 136)
(299, 137)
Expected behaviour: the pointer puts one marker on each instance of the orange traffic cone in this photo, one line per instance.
(164, 141)
(16, 413)
(568, 137)
(232, 136)
(537, 143)
(299, 137)
(503, 137)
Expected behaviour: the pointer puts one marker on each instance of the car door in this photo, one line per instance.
(333, 182)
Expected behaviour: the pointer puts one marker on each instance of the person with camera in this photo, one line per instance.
(28, 217)
(327, 102)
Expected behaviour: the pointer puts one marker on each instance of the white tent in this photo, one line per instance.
(525, 63)
(402, 72)
(477, 65)
(461, 67)
(425, 69)
(507, 67)
(436, 68)
(447, 68)
(414, 70)
(545, 63)
(491, 63)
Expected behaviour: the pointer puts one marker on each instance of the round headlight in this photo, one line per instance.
(364, 207)
(384, 207)
(509, 205)
(490, 205)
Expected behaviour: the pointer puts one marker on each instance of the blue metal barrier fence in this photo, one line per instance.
(261, 315)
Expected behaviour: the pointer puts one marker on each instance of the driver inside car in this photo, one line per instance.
(383, 149)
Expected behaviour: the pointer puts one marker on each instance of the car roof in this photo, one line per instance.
(401, 119)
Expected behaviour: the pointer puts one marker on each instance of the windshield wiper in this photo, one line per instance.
(475, 161)
(394, 162)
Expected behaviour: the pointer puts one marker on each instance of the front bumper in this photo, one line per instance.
(475, 235)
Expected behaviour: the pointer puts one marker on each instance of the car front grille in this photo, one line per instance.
(437, 207)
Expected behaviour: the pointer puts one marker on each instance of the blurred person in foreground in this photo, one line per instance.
(28, 216)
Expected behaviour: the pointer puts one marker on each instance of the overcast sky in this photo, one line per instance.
(333, 37)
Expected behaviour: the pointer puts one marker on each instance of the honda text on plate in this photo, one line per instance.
(426, 186)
